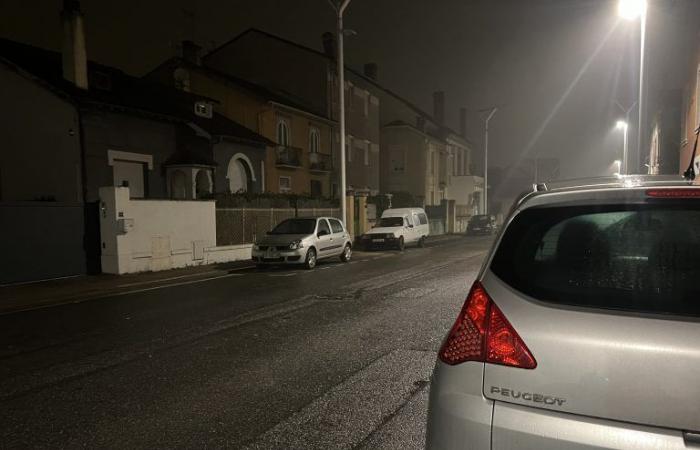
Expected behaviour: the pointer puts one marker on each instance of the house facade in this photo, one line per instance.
(310, 77)
(298, 161)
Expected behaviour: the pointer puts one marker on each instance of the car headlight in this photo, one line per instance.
(296, 245)
(390, 236)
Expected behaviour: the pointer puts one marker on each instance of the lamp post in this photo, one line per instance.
(486, 158)
(339, 8)
(631, 10)
(624, 126)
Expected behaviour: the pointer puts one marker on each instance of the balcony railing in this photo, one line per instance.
(320, 162)
(288, 156)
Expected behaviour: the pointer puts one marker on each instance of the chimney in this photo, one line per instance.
(371, 71)
(190, 52)
(439, 107)
(463, 122)
(329, 44)
(420, 123)
(74, 54)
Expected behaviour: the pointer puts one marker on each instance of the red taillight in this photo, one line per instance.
(674, 193)
(482, 333)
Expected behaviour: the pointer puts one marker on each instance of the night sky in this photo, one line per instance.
(557, 66)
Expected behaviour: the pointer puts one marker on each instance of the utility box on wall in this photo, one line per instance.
(125, 225)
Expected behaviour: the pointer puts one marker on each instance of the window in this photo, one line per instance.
(398, 159)
(285, 184)
(423, 219)
(295, 226)
(314, 140)
(416, 219)
(316, 188)
(634, 257)
(431, 156)
(323, 226)
(367, 154)
(336, 226)
(365, 103)
(283, 132)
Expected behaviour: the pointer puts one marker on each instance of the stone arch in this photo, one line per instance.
(202, 183)
(240, 173)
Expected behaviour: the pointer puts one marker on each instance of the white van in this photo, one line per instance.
(397, 228)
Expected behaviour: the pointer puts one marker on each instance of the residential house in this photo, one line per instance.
(76, 126)
(310, 77)
(300, 160)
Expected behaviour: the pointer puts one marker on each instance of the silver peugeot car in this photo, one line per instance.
(582, 330)
(303, 241)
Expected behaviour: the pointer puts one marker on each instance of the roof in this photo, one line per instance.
(601, 188)
(401, 123)
(113, 89)
(356, 73)
(269, 94)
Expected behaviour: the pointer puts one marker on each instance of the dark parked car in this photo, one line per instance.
(482, 224)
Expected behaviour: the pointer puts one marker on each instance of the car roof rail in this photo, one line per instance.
(539, 187)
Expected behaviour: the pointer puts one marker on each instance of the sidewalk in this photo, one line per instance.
(25, 296)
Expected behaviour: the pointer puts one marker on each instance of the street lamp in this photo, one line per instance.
(631, 10)
(339, 7)
(624, 126)
(486, 158)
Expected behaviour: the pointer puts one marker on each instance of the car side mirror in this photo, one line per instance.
(410, 226)
(322, 233)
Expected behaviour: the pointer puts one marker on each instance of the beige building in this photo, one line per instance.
(300, 162)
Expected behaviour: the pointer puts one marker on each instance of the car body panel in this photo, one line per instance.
(519, 427)
(460, 415)
(599, 362)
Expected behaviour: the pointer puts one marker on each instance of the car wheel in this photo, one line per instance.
(421, 242)
(347, 253)
(401, 245)
(311, 260)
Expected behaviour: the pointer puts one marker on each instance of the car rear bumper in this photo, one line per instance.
(459, 416)
(523, 427)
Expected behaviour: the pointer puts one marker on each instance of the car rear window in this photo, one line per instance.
(640, 258)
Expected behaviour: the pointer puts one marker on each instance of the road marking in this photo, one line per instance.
(137, 283)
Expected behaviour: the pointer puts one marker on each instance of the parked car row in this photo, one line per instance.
(306, 240)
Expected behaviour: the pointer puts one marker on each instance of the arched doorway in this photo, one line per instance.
(178, 185)
(240, 174)
(202, 183)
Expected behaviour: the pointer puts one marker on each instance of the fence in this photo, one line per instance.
(245, 225)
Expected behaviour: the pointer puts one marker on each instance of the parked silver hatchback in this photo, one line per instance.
(303, 241)
(582, 330)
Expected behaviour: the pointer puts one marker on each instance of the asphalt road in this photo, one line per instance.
(338, 357)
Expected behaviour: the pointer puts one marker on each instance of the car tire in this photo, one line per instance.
(347, 253)
(421, 242)
(401, 245)
(311, 259)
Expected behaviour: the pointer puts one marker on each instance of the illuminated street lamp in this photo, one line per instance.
(624, 126)
(618, 163)
(631, 10)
